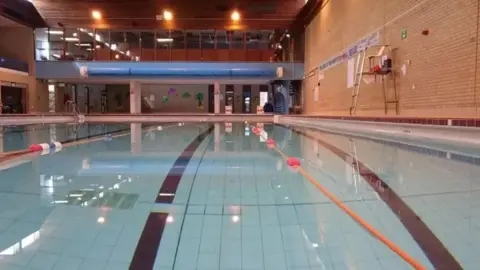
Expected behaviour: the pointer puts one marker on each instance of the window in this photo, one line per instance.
(178, 39)
(237, 40)
(193, 40)
(208, 39)
(223, 40)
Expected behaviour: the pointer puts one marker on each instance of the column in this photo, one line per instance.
(216, 97)
(135, 97)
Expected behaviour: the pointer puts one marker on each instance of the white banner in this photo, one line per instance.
(351, 73)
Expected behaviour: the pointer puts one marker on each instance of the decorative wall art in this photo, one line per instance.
(172, 91)
(199, 98)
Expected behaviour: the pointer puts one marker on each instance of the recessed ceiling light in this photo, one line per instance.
(167, 15)
(235, 16)
(97, 15)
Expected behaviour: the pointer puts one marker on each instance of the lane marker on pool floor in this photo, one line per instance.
(295, 164)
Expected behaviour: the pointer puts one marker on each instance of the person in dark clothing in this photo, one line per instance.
(268, 107)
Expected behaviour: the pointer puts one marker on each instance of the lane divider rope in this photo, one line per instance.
(296, 165)
(45, 148)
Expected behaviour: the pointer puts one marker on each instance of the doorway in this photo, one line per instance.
(229, 96)
(13, 99)
(211, 99)
(247, 99)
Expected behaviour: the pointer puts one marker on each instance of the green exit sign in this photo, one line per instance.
(404, 33)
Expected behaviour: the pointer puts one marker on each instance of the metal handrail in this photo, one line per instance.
(71, 104)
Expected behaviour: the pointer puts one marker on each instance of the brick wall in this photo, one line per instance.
(442, 67)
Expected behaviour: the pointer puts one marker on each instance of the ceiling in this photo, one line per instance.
(188, 14)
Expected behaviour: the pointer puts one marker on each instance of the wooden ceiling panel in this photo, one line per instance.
(188, 14)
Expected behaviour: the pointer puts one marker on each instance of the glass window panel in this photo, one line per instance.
(253, 39)
(57, 44)
(130, 48)
(266, 36)
(193, 40)
(208, 39)
(102, 47)
(164, 40)
(42, 45)
(147, 40)
(122, 44)
(79, 44)
(223, 41)
(178, 39)
(237, 40)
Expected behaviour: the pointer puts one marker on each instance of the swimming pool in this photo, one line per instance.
(210, 196)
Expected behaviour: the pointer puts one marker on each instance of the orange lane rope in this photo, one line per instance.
(348, 211)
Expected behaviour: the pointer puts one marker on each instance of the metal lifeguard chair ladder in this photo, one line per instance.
(377, 67)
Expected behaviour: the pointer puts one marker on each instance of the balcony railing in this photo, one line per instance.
(13, 64)
(155, 45)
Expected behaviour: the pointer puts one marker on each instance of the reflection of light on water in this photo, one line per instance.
(263, 136)
(101, 220)
(85, 164)
(235, 219)
(25, 242)
(279, 165)
(234, 209)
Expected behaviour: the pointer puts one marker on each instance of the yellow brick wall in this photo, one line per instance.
(443, 67)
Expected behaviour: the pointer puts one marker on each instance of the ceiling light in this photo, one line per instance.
(128, 53)
(235, 16)
(97, 47)
(75, 34)
(117, 56)
(55, 32)
(164, 40)
(113, 47)
(167, 15)
(288, 35)
(70, 39)
(84, 44)
(97, 15)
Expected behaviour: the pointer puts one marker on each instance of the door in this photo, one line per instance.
(211, 99)
(247, 99)
(12, 99)
(229, 96)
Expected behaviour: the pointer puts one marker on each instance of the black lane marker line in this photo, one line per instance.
(146, 251)
(166, 193)
(149, 242)
(434, 249)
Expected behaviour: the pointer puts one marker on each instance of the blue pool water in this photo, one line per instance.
(201, 196)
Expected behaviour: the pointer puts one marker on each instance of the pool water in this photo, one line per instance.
(210, 196)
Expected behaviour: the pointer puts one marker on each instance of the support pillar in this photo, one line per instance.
(216, 97)
(135, 97)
